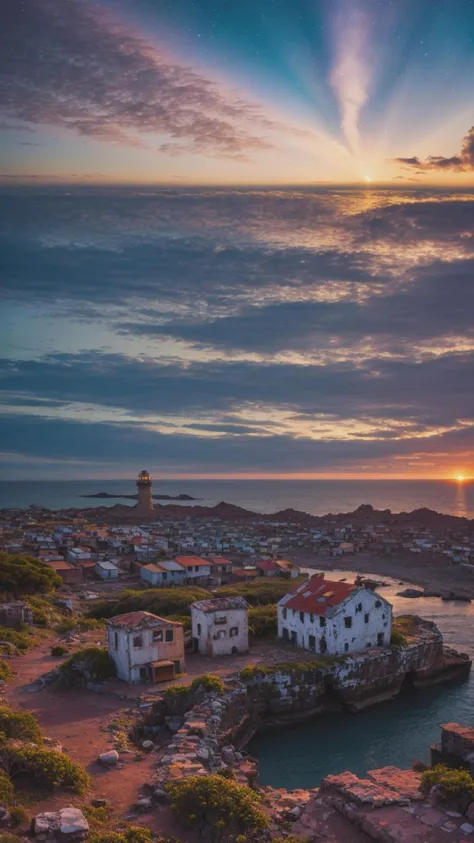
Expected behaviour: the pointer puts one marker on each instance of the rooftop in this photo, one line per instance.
(189, 561)
(220, 604)
(317, 595)
(140, 620)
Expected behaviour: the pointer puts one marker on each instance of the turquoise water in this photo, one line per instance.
(395, 732)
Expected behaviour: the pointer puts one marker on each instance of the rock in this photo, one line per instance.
(109, 759)
(143, 804)
(203, 754)
(160, 795)
(419, 766)
(174, 724)
(5, 818)
(228, 754)
(467, 828)
(72, 821)
(295, 812)
(411, 592)
(99, 803)
(148, 746)
(435, 796)
(68, 822)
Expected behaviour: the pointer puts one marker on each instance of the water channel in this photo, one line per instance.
(396, 732)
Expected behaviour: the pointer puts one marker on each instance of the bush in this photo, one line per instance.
(59, 650)
(209, 682)
(18, 815)
(20, 575)
(177, 692)
(6, 789)
(217, 807)
(79, 624)
(44, 612)
(453, 782)
(296, 668)
(6, 672)
(91, 662)
(263, 621)
(133, 834)
(159, 601)
(19, 725)
(20, 640)
(398, 639)
(43, 768)
(260, 592)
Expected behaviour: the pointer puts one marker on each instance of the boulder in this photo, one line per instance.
(148, 746)
(99, 803)
(72, 822)
(411, 592)
(174, 724)
(203, 754)
(109, 759)
(160, 795)
(143, 804)
(67, 823)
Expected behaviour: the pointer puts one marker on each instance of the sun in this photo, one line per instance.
(460, 478)
(368, 179)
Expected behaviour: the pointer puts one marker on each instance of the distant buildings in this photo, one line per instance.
(15, 613)
(220, 626)
(145, 647)
(333, 618)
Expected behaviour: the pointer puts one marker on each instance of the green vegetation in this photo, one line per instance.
(42, 768)
(20, 640)
(176, 692)
(18, 815)
(6, 789)
(132, 834)
(296, 668)
(6, 672)
(403, 628)
(45, 613)
(398, 639)
(263, 621)
(21, 575)
(93, 662)
(260, 592)
(208, 682)
(59, 650)
(158, 601)
(19, 725)
(454, 783)
(218, 808)
(6, 837)
(79, 624)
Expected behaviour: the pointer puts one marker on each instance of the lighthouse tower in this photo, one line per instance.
(145, 500)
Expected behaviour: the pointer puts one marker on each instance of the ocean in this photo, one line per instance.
(317, 497)
(395, 732)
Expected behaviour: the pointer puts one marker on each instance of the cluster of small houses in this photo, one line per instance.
(319, 615)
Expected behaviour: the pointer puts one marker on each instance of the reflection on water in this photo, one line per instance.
(461, 500)
(396, 732)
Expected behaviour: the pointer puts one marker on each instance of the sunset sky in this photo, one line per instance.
(237, 238)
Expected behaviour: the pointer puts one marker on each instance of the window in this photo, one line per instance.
(164, 576)
(311, 618)
(220, 621)
(137, 641)
(302, 617)
(380, 639)
(312, 642)
(196, 568)
(378, 604)
(221, 633)
(348, 623)
(116, 640)
(322, 621)
(366, 617)
(346, 648)
(199, 629)
(359, 607)
(169, 636)
(284, 614)
(285, 634)
(157, 635)
(323, 646)
(234, 631)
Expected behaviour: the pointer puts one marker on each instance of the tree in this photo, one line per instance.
(22, 575)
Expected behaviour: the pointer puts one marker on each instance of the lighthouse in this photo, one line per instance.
(145, 500)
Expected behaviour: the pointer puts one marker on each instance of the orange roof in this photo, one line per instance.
(189, 561)
(318, 594)
(244, 572)
(220, 560)
(56, 565)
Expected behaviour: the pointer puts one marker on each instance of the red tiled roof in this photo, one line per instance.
(220, 560)
(267, 565)
(189, 561)
(141, 620)
(244, 572)
(319, 594)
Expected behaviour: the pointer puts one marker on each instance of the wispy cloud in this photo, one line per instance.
(350, 74)
(72, 66)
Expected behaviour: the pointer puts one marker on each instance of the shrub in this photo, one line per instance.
(133, 834)
(263, 621)
(59, 650)
(18, 815)
(79, 624)
(90, 662)
(296, 668)
(176, 691)
(453, 782)
(19, 725)
(159, 601)
(5, 671)
(209, 682)
(259, 592)
(398, 639)
(43, 768)
(217, 807)
(6, 789)
(6, 837)
(20, 640)
(21, 575)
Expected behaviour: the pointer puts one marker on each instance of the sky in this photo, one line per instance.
(237, 239)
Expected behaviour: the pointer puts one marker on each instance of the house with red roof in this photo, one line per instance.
(197, 570)
(334, 617)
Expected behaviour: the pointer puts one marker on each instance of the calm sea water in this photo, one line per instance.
(314, 496)
(395, 732)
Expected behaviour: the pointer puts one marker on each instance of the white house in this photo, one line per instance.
(334, 617)
(166, 572)
(106, 570)
(198, 570)
(145, 647)
(78, 554)
(220, 626)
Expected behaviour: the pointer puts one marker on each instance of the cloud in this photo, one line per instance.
(350, 74)
(463, 162)
(75, 67)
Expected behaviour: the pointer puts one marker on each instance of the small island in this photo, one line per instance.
(105, 495)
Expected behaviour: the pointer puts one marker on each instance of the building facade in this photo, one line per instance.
(145, 647)
(333, 618)
(197, 570)
(220, 626)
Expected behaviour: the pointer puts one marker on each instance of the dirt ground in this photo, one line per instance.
(422, 569)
